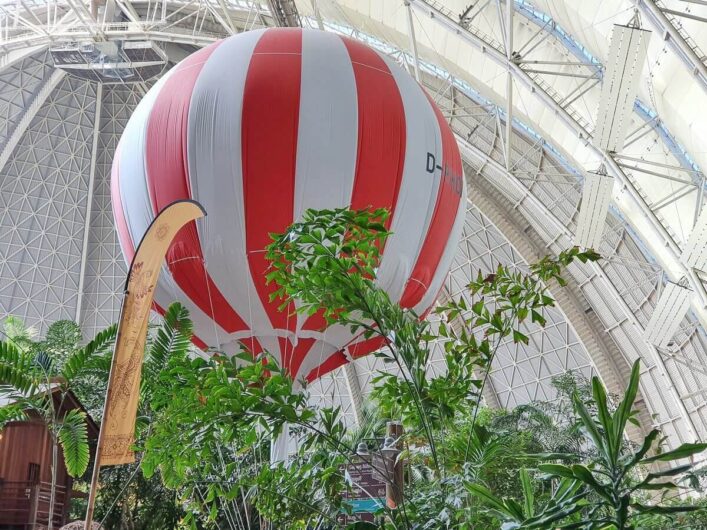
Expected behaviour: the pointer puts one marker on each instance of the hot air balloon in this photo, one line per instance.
(260, 127)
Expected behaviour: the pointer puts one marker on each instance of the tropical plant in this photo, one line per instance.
(126, 498)
(214, 419)
(328, 262)
(614, 476)
(609, 489)
(37, 377)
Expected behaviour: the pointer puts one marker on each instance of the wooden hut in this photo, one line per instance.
(26, 474)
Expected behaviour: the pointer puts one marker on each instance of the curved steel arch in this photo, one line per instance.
(576, 123)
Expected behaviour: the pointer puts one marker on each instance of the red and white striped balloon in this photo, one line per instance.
(260, 127)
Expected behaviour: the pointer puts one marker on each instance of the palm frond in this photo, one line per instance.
(73, 435)
(93, 350)
(172, 338)
(16, 369)
(11, 412)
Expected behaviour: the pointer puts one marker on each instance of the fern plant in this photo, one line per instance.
(36, 378)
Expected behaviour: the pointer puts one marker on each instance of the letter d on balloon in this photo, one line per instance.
(431, 163)
(117, 434)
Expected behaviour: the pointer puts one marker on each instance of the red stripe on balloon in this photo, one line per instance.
(168, 181)
(445, 211)
(270, 121)
(337, 359)
(380, 158)
(381, 131)
(333, 362)
(293, 355)
(366, 346)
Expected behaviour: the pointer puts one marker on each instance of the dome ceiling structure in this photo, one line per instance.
(71, 73)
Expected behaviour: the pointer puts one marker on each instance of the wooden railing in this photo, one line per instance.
(27, 504)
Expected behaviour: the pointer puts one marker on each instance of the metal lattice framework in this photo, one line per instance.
(59, 256)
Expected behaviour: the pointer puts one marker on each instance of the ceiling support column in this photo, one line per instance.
(413, 41)
(354, 388)
(507, 180)
(89, 200)
(509, 82)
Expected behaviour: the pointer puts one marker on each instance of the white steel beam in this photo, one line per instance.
(28, 116)
(661, 236)
(557, 227)
(669, 312)
(676, 40)
(509, 82)
(89, 200)
(596, 196)
(413, 41)
(695, 254)
(15, 56)
(354, 387)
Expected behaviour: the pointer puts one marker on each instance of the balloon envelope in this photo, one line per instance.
(260, 127)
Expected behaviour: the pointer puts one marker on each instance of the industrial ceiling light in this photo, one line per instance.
(694, 255)
(596, 196)
(627, 53)
(669, 312)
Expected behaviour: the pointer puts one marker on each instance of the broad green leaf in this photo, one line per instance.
(645, 447)
(73, 435)
(623, 412)
(528, 495)
(664, 510)
(590, 426)
(684, 451)
(585, 475)
(605, 419)
(557, 470)
(489, 498)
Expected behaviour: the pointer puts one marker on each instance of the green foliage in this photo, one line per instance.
(78, 359)
(16, 371)
(205, 425)
(228, 410)
(37, 376)
(73, 436)
(610, 477)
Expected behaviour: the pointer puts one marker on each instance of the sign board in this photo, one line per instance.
(367, 494)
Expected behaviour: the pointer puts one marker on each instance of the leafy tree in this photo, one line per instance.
(36, 377)
(328, 263)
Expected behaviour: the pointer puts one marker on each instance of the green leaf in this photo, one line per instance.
(11, 412)
(664, 510)
(623, 412)
(557, 470)
(361, 525)
(73, 436)
(645, 447)
(684, 451)
(79, 359)
(585, 475)
(519, 337)
(528, 495)
(590, 425)
(489, 498)
(172, 339)
(16, 370)
(605, 419)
